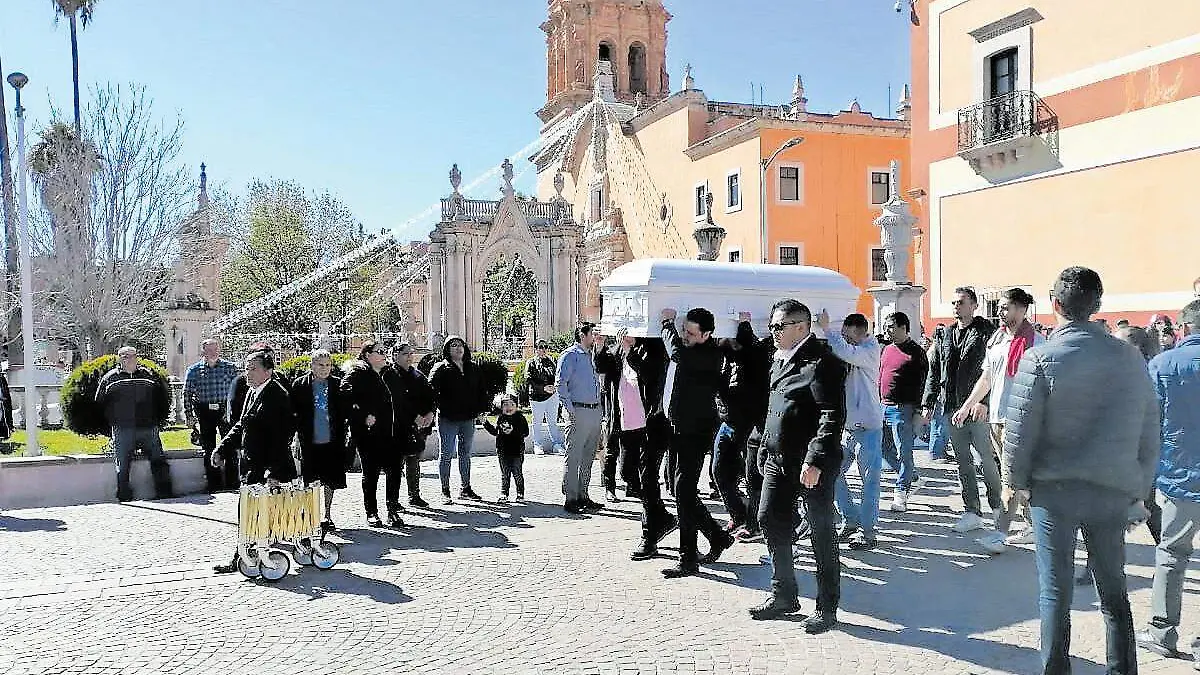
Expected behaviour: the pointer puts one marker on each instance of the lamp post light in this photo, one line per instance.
(19, 80)
(762, 186)
(344, 290)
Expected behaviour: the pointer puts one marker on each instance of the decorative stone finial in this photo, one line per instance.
(896, 230)
(203, 186)
(688, 82)
(799, 103)
(638, 100)
(855, 107)
(559, 184)
(455, 178)
(904, 108)
(507, 187)
(709, 235)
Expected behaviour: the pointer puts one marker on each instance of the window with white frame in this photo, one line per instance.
(880, 187)
(733, 191)
(790, 254)
(791, 183)
(700, 191)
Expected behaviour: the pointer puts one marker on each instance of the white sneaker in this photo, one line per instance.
(993, 543)
(899, 500)
(1025, 536)
(539, 450)
(969, 521)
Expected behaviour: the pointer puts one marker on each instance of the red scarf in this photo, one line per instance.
(1021, 341)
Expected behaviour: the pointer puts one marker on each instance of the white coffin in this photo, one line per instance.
(634, 295)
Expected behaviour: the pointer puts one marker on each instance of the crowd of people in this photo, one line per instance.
(1072, 430)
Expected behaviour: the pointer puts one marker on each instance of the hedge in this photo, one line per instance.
(518, 379)
(81, 413)
(295, 367)
(494, 372)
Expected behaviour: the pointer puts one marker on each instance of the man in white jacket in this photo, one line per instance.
(863, 438)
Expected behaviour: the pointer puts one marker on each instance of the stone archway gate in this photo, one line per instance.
(474, 233)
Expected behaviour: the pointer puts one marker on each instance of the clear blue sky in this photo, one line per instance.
(373, 101)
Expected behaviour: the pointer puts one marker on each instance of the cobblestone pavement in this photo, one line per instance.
(483, 588)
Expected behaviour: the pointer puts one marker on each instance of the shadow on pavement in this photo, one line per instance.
(15, 524)
(317, 584)
(149, 507)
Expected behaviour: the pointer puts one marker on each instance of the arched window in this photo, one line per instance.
(605, 52)
(637, 68)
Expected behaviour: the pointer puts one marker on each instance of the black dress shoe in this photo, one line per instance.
(374, 521)
(774, 608)
(723, 542)
(417, 502)
(644, 553)
(819, 622)
(591, 505)
(573, 507)
(680, 570)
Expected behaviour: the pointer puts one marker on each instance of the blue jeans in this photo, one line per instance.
(939, 434)
(865, 445)
(899, 433)
(1060, 511)
(457, 436)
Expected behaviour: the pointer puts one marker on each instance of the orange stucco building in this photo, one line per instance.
(1050, 133)
(638, 165)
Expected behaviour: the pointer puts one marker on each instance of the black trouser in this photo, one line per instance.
(511, 469)
(374, 462)
(654, 514)
(729, 461)
(624, 448)
(211, 422)
(754, 477)
(671, 464)
(694, 517)
(410, 466)
(776, 516)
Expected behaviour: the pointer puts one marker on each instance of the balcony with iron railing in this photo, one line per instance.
(1015, 133)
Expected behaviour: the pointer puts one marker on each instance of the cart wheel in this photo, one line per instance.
(248, 570)
(304, 552)
(277, 566)
(325, 555)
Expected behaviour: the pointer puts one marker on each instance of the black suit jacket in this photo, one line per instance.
(264, 434)
(807, 409)
(304, 407)
(697, 380)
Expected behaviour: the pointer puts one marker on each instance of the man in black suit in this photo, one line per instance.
(802, 444)
(263, 434)
(690, 399)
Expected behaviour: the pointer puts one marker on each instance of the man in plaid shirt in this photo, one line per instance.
(204, 389)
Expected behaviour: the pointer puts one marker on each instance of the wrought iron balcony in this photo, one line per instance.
(1004, 129)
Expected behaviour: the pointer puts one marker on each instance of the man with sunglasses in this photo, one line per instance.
(955, 367)
(802, 447)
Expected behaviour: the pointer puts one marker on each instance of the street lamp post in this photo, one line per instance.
(762, 186)
(18, 80)
(344, 290)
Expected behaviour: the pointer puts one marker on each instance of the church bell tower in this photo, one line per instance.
(629, 34)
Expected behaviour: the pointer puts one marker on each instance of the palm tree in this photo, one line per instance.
(75, 11)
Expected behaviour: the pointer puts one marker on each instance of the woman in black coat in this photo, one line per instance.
(321, 427)
(372, 425)
(412, 401)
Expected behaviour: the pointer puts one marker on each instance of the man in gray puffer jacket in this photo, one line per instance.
(1082, 444)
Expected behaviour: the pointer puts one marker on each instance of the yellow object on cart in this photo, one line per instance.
(286, 513)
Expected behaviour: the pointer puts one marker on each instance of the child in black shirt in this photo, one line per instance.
(510, 431)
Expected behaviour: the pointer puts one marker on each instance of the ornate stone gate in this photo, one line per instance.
(475, 233)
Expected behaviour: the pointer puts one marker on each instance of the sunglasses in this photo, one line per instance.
(776, 327)
(380, 352)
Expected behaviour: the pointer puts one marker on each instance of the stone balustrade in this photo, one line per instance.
(43, 401)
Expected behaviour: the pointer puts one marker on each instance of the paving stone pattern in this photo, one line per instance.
(483, 588)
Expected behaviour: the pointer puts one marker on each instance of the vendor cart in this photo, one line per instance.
(271, 515)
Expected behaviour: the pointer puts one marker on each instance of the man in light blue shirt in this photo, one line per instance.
(579, 392)
(863, 437)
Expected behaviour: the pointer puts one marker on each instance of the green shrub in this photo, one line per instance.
(295, 367)
(77, 398)
(494, 372)
(560, 341)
